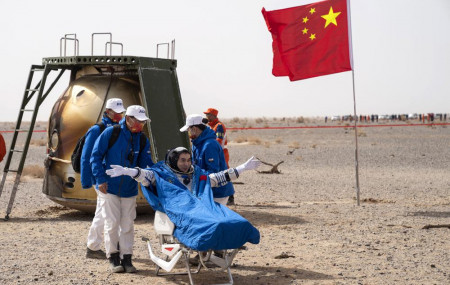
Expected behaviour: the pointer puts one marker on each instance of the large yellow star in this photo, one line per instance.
(331, 17)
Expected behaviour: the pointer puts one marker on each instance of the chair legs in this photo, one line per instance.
(168, 263)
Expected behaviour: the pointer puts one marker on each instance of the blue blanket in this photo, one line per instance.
(200, 223)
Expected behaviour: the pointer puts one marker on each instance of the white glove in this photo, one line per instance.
(250, 164)
(145, 177)
(117, 170)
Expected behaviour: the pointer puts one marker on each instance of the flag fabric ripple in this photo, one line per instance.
(310, 40)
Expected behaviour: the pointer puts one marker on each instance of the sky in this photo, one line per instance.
(401, 54)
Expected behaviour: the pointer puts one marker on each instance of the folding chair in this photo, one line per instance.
(173, 251)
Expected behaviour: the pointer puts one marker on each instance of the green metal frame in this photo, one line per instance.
(27, 96)
(161, 97)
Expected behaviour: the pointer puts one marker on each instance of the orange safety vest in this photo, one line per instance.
(221, 136)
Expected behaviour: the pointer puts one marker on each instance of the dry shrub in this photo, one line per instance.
(361, 133)
(250, 140)
(254, 140)
(39, 142)
(236, 120)
(294, 145)
(240, 123)
(33, 170)
(298, 157)
(259, 120)
(314, 146)
(267, 144)
(278, 141)
(300, 120)
(240, 140)
(8, 125)
(40, 124)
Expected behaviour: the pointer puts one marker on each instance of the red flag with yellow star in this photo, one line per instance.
(310, 40)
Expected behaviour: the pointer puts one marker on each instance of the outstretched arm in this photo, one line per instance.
(144, 176)
(223, 177)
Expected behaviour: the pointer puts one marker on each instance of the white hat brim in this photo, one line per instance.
(119, 109)
(184, 128)
(141, 117)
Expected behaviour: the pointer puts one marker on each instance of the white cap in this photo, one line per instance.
(115, 104)
(138, 112)
(192, 120)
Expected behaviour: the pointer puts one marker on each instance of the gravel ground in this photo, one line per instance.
(312, 231)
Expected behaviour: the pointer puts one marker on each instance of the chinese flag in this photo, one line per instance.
(310, 40)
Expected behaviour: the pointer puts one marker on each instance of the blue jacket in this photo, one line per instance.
(102, 158)
(87, 179)
(200, 223)
(208, 155)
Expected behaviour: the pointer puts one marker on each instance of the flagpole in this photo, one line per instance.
(354, 101)
(356, 140)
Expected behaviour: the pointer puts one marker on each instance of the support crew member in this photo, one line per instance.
(207, 154)
(113, 114)
(119, 193)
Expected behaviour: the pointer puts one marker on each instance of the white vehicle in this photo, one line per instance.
(335, 118)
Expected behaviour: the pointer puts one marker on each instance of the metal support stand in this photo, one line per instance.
(28, 95)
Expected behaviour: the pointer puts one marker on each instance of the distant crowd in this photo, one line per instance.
(429, 117)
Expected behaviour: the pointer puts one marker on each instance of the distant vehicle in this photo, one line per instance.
(413, 116)
(384, 117)
(336, 118)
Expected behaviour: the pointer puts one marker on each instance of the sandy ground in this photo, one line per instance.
(312, 231)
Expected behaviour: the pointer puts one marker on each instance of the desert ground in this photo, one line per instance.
(312, 230)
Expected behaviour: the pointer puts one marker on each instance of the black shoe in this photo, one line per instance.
(126, 263)
(114, 263)
(95, 254)
(230, 201)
